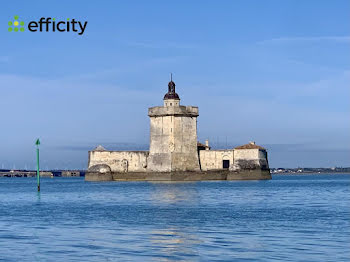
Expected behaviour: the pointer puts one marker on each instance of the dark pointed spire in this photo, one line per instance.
(171, 90)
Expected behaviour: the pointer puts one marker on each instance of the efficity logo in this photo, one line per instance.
(47, 24)
(16, 25)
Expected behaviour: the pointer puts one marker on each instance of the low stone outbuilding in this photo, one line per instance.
(250, 156)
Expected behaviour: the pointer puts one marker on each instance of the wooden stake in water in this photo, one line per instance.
(37, 163)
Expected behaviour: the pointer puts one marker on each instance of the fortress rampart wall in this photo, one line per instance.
(213, 159)
(119, 161)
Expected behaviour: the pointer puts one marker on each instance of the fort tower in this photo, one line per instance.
(173, 135)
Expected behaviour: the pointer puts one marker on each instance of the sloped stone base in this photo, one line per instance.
(255, 174)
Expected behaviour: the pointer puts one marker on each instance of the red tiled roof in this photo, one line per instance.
(250, 146)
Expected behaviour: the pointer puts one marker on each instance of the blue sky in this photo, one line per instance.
(276, 72)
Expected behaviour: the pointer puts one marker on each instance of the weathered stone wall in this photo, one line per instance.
(213, 159)
(159, 158)
(173, 139)
(263, 160)
(250, 159)
(119, 161)
(247, 154)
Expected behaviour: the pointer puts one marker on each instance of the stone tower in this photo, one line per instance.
(173, 135)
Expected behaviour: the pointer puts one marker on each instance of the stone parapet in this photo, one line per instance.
(173, 111)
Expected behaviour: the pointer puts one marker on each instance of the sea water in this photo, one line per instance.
(288, 218)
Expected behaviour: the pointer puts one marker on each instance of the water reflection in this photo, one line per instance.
(174, 242)
(38, 195)
(173, 192)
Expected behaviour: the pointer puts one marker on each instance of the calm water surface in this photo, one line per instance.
(290, 218)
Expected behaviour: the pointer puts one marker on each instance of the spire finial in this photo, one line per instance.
(171, 90)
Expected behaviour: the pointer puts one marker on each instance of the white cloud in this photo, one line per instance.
(302, 39)
(170, 45)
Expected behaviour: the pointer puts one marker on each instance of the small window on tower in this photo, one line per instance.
(171, 104)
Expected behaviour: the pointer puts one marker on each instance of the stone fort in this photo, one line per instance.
(176, 154)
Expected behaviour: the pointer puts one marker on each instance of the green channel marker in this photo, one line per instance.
(37, 163)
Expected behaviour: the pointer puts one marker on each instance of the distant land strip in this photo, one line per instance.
(79, 173)
(311, 170)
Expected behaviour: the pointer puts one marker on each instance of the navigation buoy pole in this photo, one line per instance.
(37, 163)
